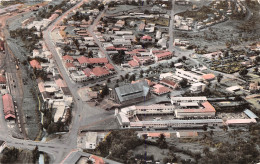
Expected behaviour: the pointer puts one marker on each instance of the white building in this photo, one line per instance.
(189, 75)
(178, 100)
(88, 141)
(198, 87)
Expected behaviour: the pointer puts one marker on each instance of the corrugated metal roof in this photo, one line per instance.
(250, 114)
(128, 92)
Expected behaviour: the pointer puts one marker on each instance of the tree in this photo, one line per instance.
(105, 91)
(183, 83)
(256, 69)
(219, 77)
(127, 76)
(90, 54)
(132, 78)
(35, 154)
(206, 150)
(211, 132)
(243, 72)
(119, 58)
(101, 7)
(161, 141)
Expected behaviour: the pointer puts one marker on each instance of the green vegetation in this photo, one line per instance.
(10, 155)
(28, 36)
(199, 15)
(119, 58)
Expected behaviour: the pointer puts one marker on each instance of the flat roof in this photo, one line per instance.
(189, 104)
(250, 114)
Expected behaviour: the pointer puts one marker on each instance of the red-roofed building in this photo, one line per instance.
(98, 60)
(207, 111)
(100, 72)
(110, 67)
(208, 77)
(160, 89)
(2, 80)
(35, 64)
(70, 67)
(111, 48)
(169, 83)
(97, 160)
(164, 55)
(67, 59)
(84, 61)
(8, 106)
(96, 72)
(133, 64)
(146, 39)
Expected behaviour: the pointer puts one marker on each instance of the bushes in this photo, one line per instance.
(119, 143)
(10, 155)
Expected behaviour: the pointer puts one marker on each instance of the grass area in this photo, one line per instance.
(198, 15)
(159, 21)
(227, 68)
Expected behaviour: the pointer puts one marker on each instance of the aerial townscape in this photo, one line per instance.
(130, 81)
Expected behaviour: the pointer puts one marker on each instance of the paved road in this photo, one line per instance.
(171, 39)
(58, 149)
(82, 110)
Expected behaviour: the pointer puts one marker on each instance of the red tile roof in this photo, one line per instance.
(67, 57)
(84, 59)
(121, 48)
(98, 60)
(133, 63)
(135, 58)
(98, 160)
(168, 82)
(160, 89)
(8, 106)
(208, 76)
(99, 71)
(109, 66)
(146, 37)
(69, 65)
(111, 48)
(2, 80)
(35, 64)
(208, 108)
(167, 53)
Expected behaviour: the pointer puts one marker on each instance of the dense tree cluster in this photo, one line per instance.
(28, 36)
(119, 58)
(10, 155)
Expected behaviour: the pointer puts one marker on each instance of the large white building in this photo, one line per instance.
(182, 107)
(189, 75)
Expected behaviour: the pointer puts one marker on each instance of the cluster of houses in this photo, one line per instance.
(117, 37)
(218, 15)
(42, 24)
(54, 91)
